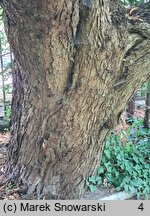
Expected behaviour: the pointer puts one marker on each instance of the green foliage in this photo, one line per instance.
(7, 112)
(8, 88)
(10, 186)
(5, 74)
(126, 165)
(141, 92)
(132, 2)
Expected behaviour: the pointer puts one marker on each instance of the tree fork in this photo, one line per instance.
(76, 68)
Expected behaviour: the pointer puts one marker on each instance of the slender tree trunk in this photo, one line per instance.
(2, 75)
(75, 71)
(147, 109)
(130, 109)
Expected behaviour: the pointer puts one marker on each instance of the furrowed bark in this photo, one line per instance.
(77, 65)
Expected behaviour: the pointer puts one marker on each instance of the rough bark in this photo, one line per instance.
(77, 65)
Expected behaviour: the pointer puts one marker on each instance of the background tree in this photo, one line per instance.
(77, 65)
(5, 78)
(147, 109)
(130, 109)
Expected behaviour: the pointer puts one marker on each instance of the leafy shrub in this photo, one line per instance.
(132, 2)
(126, 164)
(8, 112)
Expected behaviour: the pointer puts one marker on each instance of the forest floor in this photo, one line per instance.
(8, 191)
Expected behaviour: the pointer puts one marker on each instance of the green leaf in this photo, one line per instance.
(126, 187)
(92, 188)
(87, 183)
(131, 188)
(108, 154)
(100, 170)
(99, 180)
(92, 179)
(125, 165)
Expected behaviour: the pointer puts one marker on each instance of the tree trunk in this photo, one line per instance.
(130, 110)
(147, 109)
(77, 64)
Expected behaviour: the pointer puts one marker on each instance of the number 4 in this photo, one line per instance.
(141, 207)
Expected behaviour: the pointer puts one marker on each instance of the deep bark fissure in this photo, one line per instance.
(75, 71)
